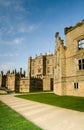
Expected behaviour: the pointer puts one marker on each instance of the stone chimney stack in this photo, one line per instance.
(24, 73)
(20, 71)
(29, 66)
(2, 73)
(15, 71)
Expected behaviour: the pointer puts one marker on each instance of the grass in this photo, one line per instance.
(69, 102)
(11, 120)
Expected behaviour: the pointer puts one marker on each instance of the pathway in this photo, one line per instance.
(46, 116)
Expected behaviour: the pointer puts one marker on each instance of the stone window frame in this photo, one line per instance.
(81, 64)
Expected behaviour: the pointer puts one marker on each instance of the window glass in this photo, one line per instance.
(83, 61)
(32, 71)
(80, 67)
(79, 61)
(81, 64)
(81, 44)
(32, 63)
(39, 61)
(48, 70)
(48, 61)
(39, 70)
(75, 85)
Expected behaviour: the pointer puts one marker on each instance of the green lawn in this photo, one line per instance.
(69, 102)
(11, 120)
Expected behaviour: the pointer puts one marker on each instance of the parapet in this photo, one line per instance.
(68, 29)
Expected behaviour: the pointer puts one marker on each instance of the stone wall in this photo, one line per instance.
(47, 83)
(0, 80)
(68, 78)
(41, 72)
(24, 85)
(36, 84)
(10, 82)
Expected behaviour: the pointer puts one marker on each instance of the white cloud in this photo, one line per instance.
(18, 40)
(9, 54)
(8, 28)
(13, 13)
(27, 28)
(7, 66)
(16, 5)
(14, 41)
(19, 8)
(5, 3)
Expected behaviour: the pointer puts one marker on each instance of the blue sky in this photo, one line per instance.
(28, 27)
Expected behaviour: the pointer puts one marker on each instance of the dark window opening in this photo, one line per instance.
(81, 64)
(75, 85)
(48, 61)
(39, 70)
(32, 71)
(48, 70)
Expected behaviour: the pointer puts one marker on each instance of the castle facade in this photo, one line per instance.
(62, 72)
(69, 62)
(41, 72)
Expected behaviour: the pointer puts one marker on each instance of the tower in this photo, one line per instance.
(59, 66)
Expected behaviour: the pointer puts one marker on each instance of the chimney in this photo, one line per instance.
(2, 73)
(20, 71)
(24, 73)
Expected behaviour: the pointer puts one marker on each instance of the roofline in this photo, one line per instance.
(69, 29)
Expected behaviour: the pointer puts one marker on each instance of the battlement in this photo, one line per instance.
(68, 29)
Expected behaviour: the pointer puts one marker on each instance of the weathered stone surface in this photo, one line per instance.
(66, 71)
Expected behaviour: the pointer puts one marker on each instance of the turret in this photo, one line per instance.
(29, 66)
(24, 73)
(2, 73)
(20, 72)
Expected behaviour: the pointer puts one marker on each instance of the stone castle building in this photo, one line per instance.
(41, 72)
(14, 81)
(62, 72)
(69, 62)
(40, 75)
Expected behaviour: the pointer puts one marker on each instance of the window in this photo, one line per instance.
(39, 61)
(75, 85)
(48, 61)
(48, 70)
(81, 64)
(52, 69)
(81, 44)
(32, 63)
(52, 60)
(39, 70)
(32, 71)
(23, 82)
